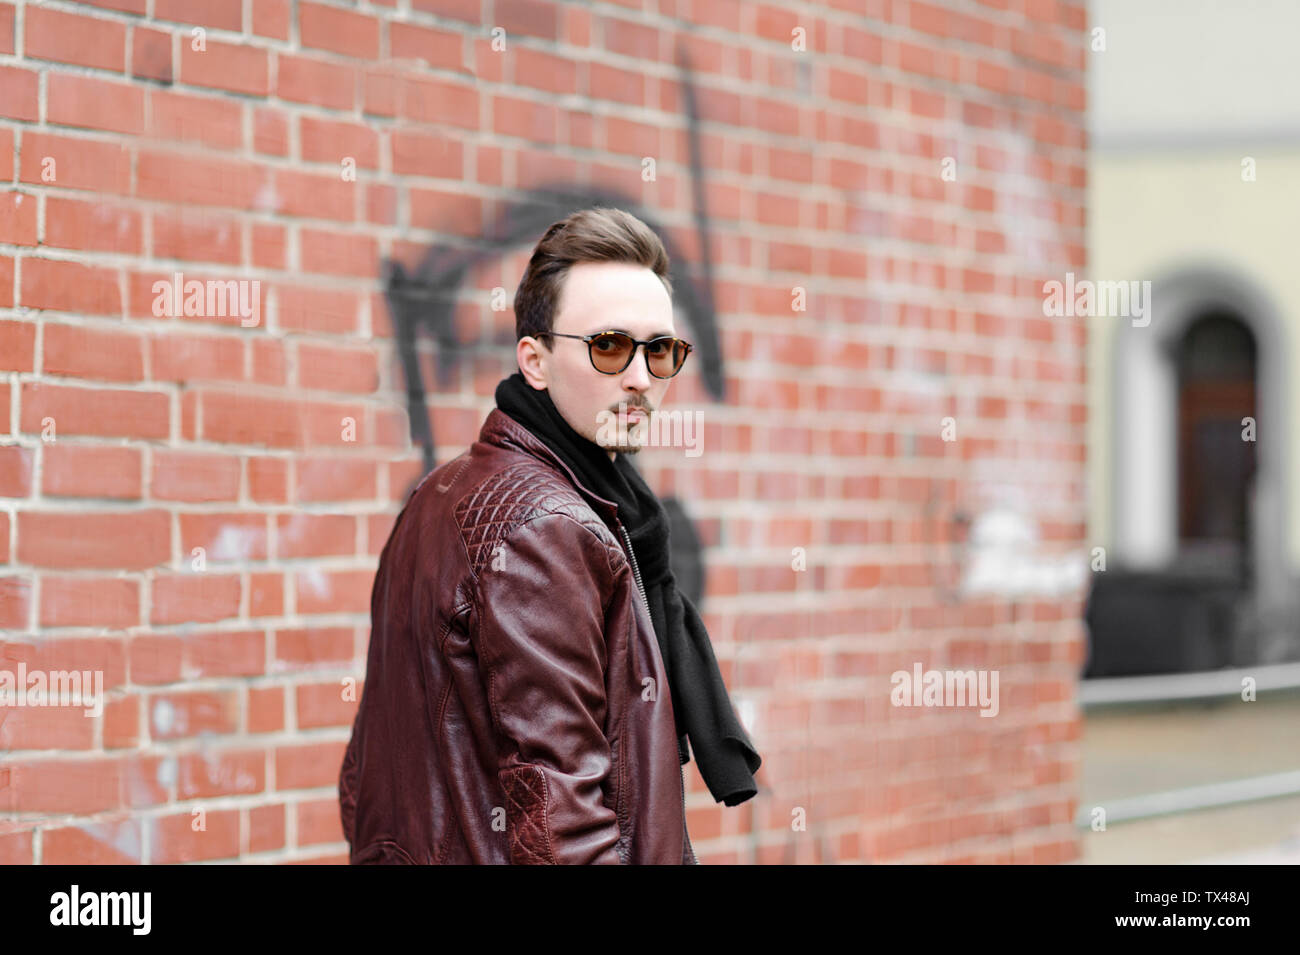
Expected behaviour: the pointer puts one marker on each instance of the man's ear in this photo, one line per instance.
(528, 355)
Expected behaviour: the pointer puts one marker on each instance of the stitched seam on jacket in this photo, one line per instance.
(445, 485)
(455, 826)
(621, 809)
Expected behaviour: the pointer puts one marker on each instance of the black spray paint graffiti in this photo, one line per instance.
(425, 299)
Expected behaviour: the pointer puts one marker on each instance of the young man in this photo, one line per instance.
(533, 673)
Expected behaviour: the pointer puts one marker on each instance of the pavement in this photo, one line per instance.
(1139, 750)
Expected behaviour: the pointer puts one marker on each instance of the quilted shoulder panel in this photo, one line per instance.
(513, 495)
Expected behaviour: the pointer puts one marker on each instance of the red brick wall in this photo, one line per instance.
(128, 440)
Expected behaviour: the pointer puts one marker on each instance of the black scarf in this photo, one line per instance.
(703, 711)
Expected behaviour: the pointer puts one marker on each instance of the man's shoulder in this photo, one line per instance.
(520, 490)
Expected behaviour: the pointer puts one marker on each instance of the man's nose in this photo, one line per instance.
(636, 377)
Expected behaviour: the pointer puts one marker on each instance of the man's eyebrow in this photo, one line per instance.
(607, 328)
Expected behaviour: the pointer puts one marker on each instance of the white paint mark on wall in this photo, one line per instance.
(319, 583)
(235, 542)
(267, 199)
(167, 772)
(122, 838)
(164, 718)
(1003, 560)
(746, 712)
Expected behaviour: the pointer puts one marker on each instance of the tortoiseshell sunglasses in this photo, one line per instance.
(612, 352)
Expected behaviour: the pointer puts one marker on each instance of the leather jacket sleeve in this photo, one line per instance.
(544, 663)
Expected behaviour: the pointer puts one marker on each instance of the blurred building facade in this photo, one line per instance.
(1193, 459)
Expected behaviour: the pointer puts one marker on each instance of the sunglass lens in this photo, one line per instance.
(664, 357)
(609, 352)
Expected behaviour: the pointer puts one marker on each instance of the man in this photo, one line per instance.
(533, 674)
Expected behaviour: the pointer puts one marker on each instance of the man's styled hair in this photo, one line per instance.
(598, 234)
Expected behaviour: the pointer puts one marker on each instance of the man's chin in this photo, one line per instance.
(614, 446)
(624, 440)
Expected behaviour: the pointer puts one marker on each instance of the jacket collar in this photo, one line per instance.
(504, 431)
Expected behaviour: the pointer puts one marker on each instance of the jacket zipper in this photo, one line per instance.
(690, 850)
(636, 572)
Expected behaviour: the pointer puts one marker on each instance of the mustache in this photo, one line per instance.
(642, 404)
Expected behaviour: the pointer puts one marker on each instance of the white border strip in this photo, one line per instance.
(1186, 686)
(1211, 796)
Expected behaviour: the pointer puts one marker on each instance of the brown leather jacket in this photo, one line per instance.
(515, 707)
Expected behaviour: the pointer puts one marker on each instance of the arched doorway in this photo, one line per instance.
(1215, 373)
(1198, 574)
